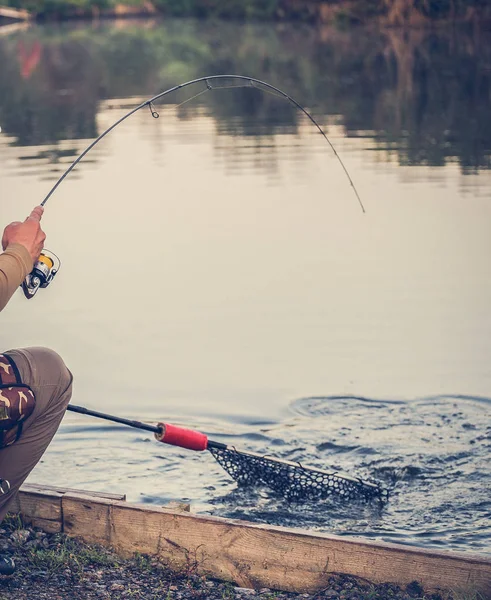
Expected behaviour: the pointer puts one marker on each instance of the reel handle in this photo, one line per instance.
(42, 274)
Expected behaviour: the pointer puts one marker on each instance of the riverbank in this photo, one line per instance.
(342, 12)
(60, 568)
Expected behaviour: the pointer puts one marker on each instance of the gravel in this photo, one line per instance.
(56, 567)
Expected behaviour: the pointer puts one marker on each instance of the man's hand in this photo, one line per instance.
(28, 233)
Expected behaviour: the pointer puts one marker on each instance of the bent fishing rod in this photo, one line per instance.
(48, 264)
(292, 480)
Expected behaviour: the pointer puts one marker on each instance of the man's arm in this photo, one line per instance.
(22, 244)
(15, 264)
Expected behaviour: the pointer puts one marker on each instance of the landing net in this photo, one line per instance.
(294, 481)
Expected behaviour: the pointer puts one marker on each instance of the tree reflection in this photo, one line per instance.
(423, 95)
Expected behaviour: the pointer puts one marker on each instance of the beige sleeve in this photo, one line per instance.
(15, 264)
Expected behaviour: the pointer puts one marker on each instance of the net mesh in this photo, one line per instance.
(294, 481)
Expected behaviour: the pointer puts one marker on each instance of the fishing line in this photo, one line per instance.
(251, 82)
(291, 480)
(48, 264)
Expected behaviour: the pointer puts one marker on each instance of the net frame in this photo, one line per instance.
(294, 481)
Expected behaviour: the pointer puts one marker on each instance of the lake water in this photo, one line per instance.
(219, 273)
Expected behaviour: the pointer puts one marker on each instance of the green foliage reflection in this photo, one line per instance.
(421, 96)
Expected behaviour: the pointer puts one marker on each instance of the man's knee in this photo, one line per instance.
(52, 366)
(40, 367)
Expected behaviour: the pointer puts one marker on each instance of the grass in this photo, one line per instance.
(64, 552)
(69, 554)
(12, 522)
(143, 562)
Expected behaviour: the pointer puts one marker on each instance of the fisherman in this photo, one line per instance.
(35, 385)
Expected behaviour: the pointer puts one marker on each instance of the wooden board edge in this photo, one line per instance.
(36, 487)
(258, 556)
(40, 505)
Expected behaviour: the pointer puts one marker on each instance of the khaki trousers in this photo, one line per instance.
(45, 372)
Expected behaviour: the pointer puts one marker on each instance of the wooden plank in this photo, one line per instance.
(259, 556)
(41, 508)
(35, 487)
(13, 13)
(37, 503)
(40, 505)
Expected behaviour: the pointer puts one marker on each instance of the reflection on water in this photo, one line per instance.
(217, 268)
(423, 97)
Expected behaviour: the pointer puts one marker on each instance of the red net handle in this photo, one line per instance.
(179, 436)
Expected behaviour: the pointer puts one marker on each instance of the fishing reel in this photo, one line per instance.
(45, 268)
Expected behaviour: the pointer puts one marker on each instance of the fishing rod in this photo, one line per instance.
(292, 480)
(49, 264)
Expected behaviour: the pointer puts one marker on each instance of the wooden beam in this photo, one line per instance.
(257, 556)
(40, 505)
(30, 488)
(250, 555)
(14, 14)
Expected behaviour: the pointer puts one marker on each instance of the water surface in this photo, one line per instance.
(218, 271)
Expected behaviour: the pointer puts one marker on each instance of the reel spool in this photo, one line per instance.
(45, 268)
